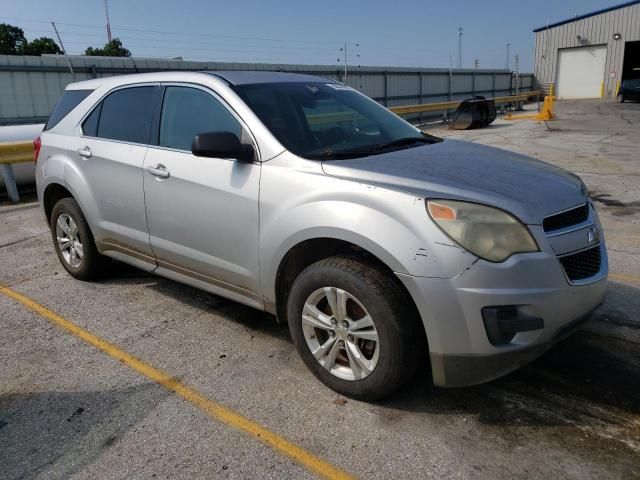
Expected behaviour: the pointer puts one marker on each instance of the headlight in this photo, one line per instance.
(487, 232)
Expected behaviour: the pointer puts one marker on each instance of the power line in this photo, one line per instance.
(302, 51)
(165, 32)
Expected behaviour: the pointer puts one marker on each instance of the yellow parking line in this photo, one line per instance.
(624, 278)
(211, 408)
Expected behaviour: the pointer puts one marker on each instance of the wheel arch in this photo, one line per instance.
(53, 193)
(310, 250)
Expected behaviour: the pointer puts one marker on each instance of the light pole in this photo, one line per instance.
(459, 47)
(344, 51)
(506, 65)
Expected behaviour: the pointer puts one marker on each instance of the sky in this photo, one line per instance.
(382, 32)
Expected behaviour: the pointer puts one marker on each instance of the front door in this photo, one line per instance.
(202, 212)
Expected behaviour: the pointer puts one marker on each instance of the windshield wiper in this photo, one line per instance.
(368, 150)
(400, 142)
(336, 154)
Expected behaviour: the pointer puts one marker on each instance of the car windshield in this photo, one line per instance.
(329, 120)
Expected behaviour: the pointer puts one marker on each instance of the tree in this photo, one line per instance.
(40, 46)
(12, 39)
(113, 48)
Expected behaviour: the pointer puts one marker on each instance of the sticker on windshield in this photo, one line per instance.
(338, 86)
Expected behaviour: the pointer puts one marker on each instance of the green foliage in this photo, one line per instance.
(113, 48)
(40, 46)
(13, 42)
(12, 39)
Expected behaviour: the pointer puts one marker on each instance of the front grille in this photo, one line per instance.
(583, 264)
(566, 219)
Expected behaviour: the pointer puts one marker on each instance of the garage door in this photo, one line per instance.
(580, 71)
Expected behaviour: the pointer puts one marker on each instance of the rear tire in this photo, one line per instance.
(350, 361)
(620, 98)
(73, 241)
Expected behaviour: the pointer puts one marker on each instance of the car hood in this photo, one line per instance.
(528, 188)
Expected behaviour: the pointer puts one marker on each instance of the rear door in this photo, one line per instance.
(111, 150)
(202, 212)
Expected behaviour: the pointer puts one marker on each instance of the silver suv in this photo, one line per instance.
(300, 196)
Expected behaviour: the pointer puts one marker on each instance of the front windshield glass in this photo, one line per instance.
(328, 120)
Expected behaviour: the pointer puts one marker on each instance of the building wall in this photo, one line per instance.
(30, 86)
(595, 30)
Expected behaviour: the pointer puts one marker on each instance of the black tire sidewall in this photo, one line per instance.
(388, 374)
(91, 262)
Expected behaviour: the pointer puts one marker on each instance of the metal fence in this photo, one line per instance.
(30, 86)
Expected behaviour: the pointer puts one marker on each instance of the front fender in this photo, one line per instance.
(391, 225)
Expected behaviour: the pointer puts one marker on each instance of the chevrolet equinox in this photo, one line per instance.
(384, 249)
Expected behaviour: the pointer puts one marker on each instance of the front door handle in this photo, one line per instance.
(84, 152)
(158, 171)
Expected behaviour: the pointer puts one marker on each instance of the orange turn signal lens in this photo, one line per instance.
(441, 212)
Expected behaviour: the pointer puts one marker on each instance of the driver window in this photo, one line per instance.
(187, 112)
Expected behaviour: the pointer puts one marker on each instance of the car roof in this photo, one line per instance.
(246, 77)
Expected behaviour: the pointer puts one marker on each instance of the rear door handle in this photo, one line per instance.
(158, 171)
(84, 152)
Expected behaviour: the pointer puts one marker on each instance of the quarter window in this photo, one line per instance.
(69, 100)
(187, 112)
(125, 115)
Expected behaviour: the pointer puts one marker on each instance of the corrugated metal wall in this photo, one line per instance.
(30, 86)
(595, 30)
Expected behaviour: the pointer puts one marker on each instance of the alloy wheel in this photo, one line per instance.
(68, 239)
(340, 333)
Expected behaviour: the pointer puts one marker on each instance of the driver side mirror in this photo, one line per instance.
(222, 145)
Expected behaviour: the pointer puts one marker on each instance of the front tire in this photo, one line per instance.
(73, 241)
(354, 327)
(620, 98)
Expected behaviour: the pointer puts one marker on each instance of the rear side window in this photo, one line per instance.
(125, 115)
(69, 100)
(186, 112)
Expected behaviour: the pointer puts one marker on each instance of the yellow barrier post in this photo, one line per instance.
(602, 89)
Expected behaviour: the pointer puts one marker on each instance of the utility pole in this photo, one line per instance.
(459, 47)
(506, 64)
(62, 47)
(106, 13)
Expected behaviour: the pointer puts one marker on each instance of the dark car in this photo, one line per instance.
(629, 90)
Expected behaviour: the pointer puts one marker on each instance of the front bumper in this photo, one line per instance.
(451, 310)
